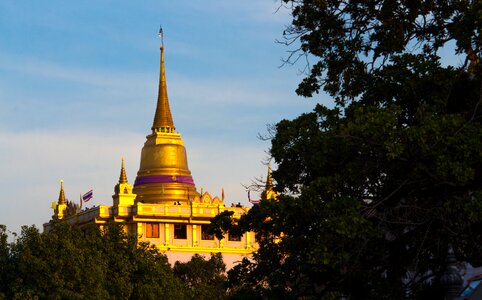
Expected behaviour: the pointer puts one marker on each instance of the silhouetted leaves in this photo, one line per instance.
(204, 279)
(70, 263)
(373, 189)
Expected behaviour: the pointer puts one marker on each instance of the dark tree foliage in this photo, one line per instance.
(351, 39)
(373, 189)
(70, 263)
(203, 279)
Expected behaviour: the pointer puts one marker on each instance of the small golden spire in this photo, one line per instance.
(61, 194)
(123, 176)
(162, 119)
(269, 179)
(269, 192)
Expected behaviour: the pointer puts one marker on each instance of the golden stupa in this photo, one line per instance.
(163, 174)
(163, 207)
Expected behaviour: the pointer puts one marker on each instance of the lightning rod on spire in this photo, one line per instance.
(161, 35)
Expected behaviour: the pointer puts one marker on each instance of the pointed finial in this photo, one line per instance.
(162, 119)
(123, 176)
(161, 36)
(61, 194)
(451, 279)
(222, 194)
(269, 192)
(269, 179)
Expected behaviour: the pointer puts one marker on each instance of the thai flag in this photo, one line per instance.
(87, 196)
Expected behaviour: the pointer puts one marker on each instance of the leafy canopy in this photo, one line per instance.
(351, 39)
(373, 189)
(70, 263)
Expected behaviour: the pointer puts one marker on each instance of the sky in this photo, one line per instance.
(78, 90)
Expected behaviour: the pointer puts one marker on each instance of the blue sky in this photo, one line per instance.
(78, 84)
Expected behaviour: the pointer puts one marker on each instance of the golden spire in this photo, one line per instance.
(269, 192)
(123, 176)
(163, 175)
(61, 194)
(269, 179)
(163, 118)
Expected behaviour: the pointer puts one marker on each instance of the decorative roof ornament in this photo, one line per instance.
(161, 35)
(123, 176)
(451, 279)
(269, 192)
(61, 194)
(269, 179)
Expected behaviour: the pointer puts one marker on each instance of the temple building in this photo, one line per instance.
(163, 206)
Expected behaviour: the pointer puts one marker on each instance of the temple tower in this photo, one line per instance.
(269, 192)
(164, 175)
(123, 190)
(61, 203)
(163, 207)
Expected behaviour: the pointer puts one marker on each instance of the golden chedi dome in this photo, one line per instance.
(164, 175)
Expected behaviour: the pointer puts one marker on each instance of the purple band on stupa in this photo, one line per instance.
(163, 179)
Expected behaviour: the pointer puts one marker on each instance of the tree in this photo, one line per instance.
(59, 264)
(72, 263)
(374, 188)
(204, 279)
(349, 40)
(5, 266)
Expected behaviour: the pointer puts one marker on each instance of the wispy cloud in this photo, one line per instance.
(128, 98)
(224, 91)
(33, 162)
(257, 11)
(93, 77)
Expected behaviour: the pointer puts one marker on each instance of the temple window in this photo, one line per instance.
(152, 230)
(180, 231)
(204, 233)
(234, 237)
